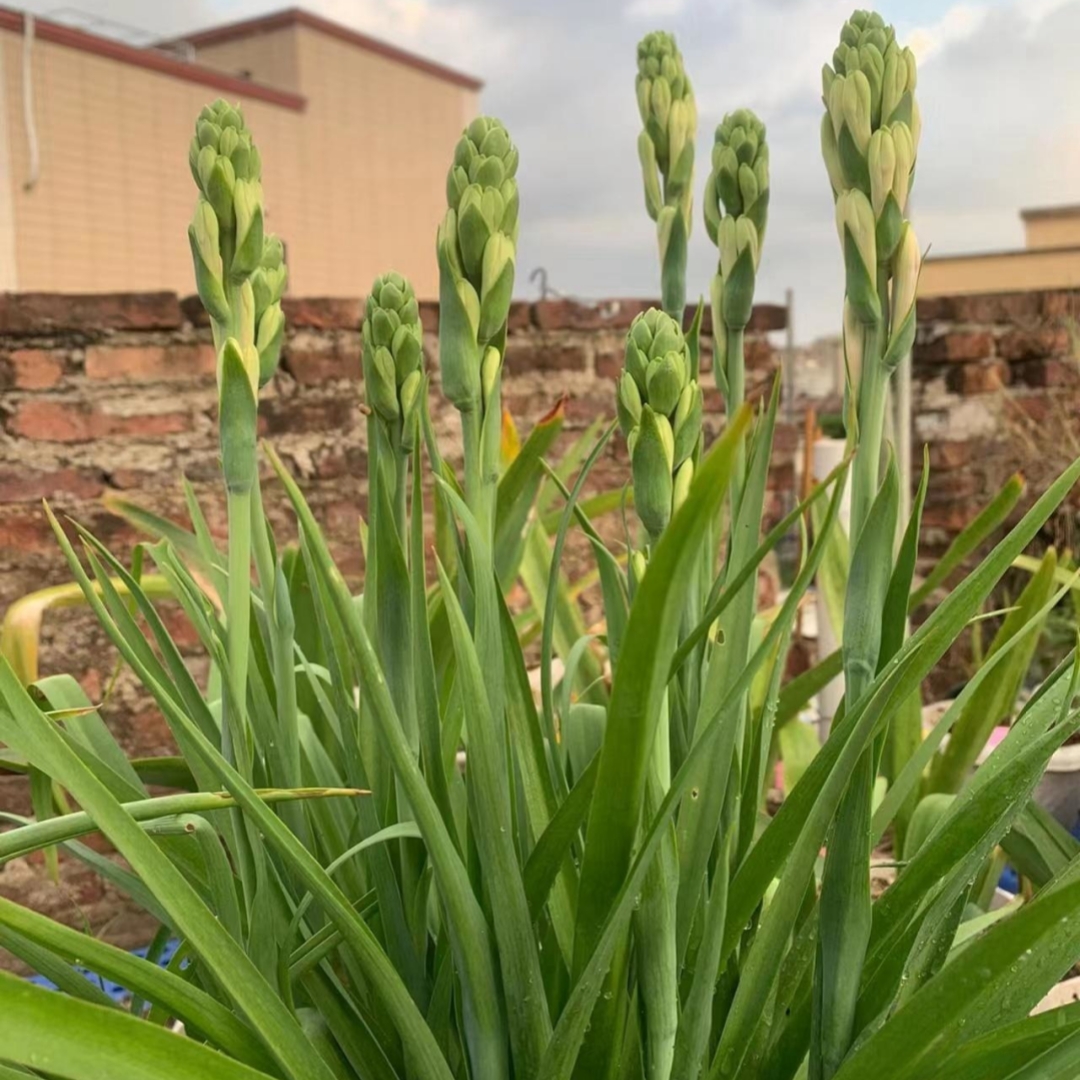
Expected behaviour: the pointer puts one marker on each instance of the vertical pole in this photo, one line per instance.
(789, 359)
(902, 422)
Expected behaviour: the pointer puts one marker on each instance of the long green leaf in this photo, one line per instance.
(988, 981)
(984, 523)
(198, 1010)
(639, 686)
(466, 920)
(77, 1041)
(33, 837)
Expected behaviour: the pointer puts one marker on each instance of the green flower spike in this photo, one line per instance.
(240, 270)
(659, 408)
(477, 250)
(736, 214)
(393, 356)
(870, 132)
(666, 150)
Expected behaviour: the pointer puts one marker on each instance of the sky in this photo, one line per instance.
(999, 89)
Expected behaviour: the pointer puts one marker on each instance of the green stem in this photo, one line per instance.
(472, 426)
(873, 392)
(233, 728)
(846, 913)
(736, 381)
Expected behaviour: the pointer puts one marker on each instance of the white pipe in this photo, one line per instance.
(28, 102)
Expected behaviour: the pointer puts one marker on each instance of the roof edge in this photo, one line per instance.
(295, 16)
(68, 36)
(1063, 210)
(1011, 253)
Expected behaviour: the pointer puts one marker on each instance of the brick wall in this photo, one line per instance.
(115, 395)
(996, 390)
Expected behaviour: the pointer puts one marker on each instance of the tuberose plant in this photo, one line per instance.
(385, 859)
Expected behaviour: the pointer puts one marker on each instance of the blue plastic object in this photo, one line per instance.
(115, 991)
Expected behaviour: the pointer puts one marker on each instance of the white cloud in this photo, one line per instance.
(956, 24)
(655, 9)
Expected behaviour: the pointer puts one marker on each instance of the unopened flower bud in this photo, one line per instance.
(686, 425)
(681, 486)
(651, 462)
(498, 285)
(881, 159)
(857, 109)
(665, 380)
(855, 216)
(906, 265)
(628, 403)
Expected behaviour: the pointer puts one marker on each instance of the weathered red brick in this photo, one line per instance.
(609, 363)
(35, 369)
(90, 313)
(33, 485)
(1053, 371)
(541, 355)
(952, 516)
(1061, 303)
(25, 529)
(519, 317)
(80, 421)
(955, 345)
(934, 308)
(312, 366)
(323, 312)
(583, 409)
(979, 378)
(758, 354)
(566, 314)
(281, 415)
(150, 363)
(764, 318)
(947, 455)
(1034, 344)
(429, 316)
(997, 307)
(193, 310)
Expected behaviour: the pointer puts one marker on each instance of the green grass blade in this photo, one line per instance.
(530, 1025)
(178, 996)
(77, 1041)
(575, 1017)
(465, 918)
(985, 522)
(1003, 973)
(732, 587)
(37, 738)
(638, 688)
(1010, 1047)
(699, 816)
(794, 697)
(518, 488)
(910, 776)
(1038, 846)
(996, 698)
(359, 937)
(844, 919)
(903, 675)
(37, 835)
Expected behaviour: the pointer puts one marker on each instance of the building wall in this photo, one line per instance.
(1004, 272)
(354, 183)
(114, 196)
(379, 138)
(271, 57)
(1052, 229)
